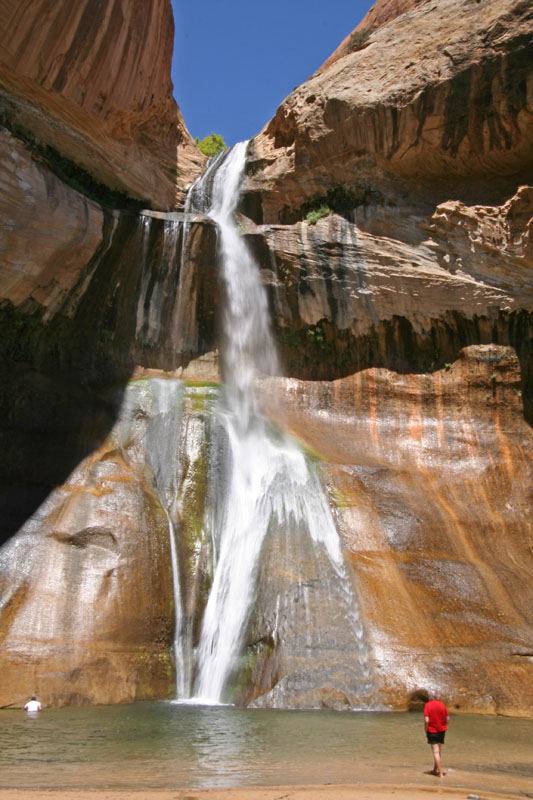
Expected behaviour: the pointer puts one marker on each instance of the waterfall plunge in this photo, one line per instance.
(270, 484)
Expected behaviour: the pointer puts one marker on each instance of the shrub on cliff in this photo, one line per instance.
(340, 200)
(212, 144)
(358, 40)
(313, 216)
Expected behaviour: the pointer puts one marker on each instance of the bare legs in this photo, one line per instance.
(437, 769)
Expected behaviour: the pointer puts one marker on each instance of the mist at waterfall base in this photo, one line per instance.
(266, 501)
(164, 746)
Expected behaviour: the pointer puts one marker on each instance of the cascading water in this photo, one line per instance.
(270, 486)
(155, 290)
(163, 439)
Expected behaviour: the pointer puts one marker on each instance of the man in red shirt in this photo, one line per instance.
(436, 720)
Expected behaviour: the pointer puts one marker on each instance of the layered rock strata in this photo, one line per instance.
(416, 145)
(431, 479)
(350, 294)
(88, 295)
(392, 194)
(88, 84)
(435, 105)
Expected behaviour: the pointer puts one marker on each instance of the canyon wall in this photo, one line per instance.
(431, 479)
(88, 86)
(389, 205)
(391, 194)
(89, 287)
(89, 296)
(434, 105)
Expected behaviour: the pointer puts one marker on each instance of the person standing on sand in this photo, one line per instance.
(436, 719)
(33, 705)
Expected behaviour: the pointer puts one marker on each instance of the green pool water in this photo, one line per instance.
(164, 745)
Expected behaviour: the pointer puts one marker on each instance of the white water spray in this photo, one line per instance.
(270, 484)
(164, 431)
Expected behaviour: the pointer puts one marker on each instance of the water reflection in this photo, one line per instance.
(164, 745)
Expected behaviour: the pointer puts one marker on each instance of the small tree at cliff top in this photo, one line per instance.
(212, 144)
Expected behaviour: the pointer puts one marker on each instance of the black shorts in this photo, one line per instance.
(435, 738)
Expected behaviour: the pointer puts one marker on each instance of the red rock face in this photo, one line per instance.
(416, 148)
(425, 450)
(416, 155)
(92, 80)
(398, 290)
(88, 591)
(382, 11)
(431, 478)
(434, 103)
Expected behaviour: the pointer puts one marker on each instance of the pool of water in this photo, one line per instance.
(165, 745)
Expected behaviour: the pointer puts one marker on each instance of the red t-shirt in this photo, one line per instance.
(437, 713)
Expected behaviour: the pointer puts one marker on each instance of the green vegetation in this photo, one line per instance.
(340, 200)
(202, 384)
(313, 216)
(199, 401)
(358, 40)
(192, 493)
(340, 498)
(201, 393)
(316, 335)
(212, 144)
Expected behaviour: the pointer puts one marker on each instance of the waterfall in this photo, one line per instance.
(155, 289)
(270, 487)
(163, 445)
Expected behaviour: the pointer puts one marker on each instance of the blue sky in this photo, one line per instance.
(235, 61)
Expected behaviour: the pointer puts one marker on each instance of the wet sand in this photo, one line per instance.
(325, 792)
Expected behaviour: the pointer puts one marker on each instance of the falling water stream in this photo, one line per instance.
(270, 485)
(163, 445)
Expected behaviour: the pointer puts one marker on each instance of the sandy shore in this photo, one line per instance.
(326, 792)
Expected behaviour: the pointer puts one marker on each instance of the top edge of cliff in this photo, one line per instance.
(88, 85)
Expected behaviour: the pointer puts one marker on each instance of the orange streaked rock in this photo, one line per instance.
(432, 480)
(87, 614)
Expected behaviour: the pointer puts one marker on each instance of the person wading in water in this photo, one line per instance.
(436, 720)
(32, 705)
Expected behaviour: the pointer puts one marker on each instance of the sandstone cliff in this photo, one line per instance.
(389, 204)
(86, 603)
(382, 11)
(415, 148)
(87, 292)
(435, 105)
(89, 83)
(431, 479)
(403, 312)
